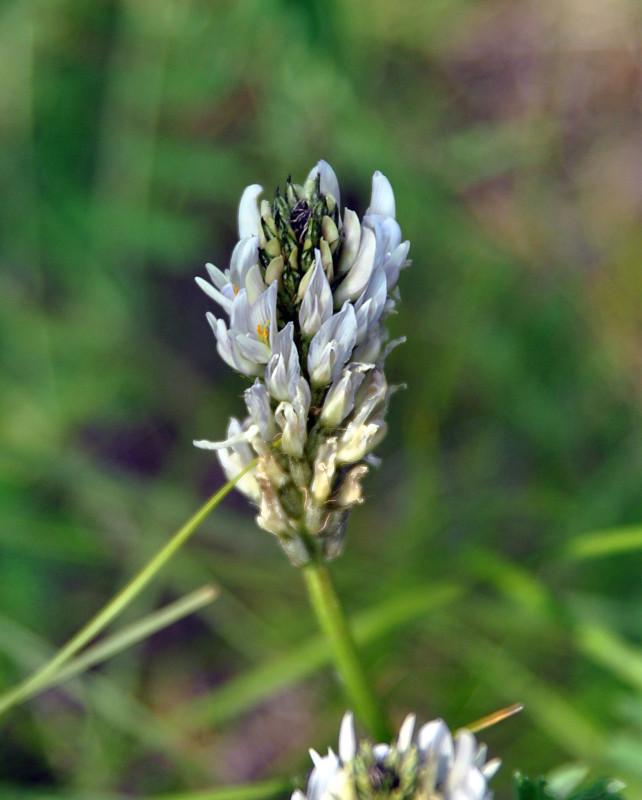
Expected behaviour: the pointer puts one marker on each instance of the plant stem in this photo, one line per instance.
(333, 623)
(42, 678)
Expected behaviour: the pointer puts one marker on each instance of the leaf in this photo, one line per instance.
(528, 789)
(611, 541)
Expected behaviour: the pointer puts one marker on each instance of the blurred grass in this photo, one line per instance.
(512, 467)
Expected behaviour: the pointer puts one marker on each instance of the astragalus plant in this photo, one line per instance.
(301, 313)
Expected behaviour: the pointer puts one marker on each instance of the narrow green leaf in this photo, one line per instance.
(121, 710)
(611, 541)
(134, 633)
(36, 682)
(608, 650)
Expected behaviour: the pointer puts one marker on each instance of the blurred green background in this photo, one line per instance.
(495, 559)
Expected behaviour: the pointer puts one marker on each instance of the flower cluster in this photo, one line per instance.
(305, 297)
(430, 766)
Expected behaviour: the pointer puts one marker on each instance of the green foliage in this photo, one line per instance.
(528, 789)
(510, 475)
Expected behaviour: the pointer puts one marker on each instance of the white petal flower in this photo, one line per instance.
(302, 306)
(316, 307)
(339, 400)
(429, 767)
(331, 346)
(358, 440)
(292, 418)
(235, 455)
(283, 368)
(229, 350)
(272, 517)
(323, 470)
(350, 493)
(257, 401)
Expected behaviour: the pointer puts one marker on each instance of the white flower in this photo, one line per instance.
(316, 307)
(235, 455)
(301, 311)
(430, 765)
(331, 346)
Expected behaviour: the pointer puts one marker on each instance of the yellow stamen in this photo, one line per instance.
(494, 718)
(236, 288)
(262, 331)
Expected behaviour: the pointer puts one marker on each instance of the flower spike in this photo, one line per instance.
(430, 765)
(302, 307)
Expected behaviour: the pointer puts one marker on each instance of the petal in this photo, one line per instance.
(283, 369)
(324, 770)
(382, 199)
(331, 346)
(227, 349)
(357, 279)
(251, 351)
(351, 493)
(262, 315)
(218, 278)
(244, 256)
(249, 219)
(404, 740)
(328, 183)
(234, 460)
(351, 240)
(465, 747)
(257, 401)
(393, 265)
(254, 285)
(387, 231)
(324, 469)
(474, 784)
(358, 440)
(339, 400)
(236, 438)
(347, 738)
(221, 299)
(316, 307)
(272, 517)
(490, 768)
(380, 752)
(435, 742)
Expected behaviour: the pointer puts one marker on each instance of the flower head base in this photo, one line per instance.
(430, 766)
(304, 301)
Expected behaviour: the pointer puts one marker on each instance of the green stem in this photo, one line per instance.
(333, 623)
(42, 677)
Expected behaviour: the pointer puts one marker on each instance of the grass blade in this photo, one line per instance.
(134, 633)
(41, 678)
